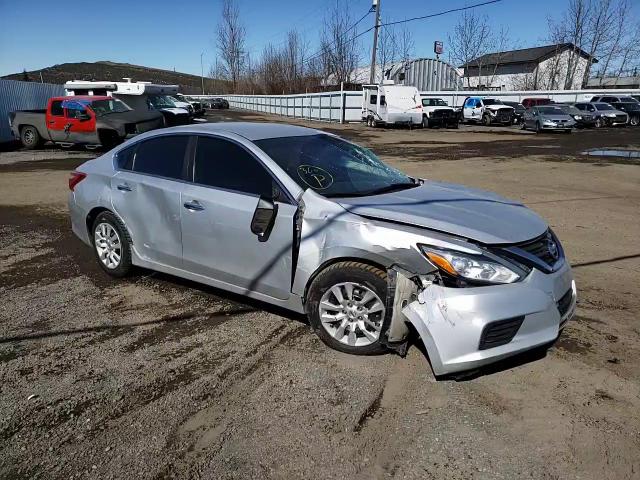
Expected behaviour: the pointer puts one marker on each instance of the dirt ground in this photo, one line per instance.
(155, 377)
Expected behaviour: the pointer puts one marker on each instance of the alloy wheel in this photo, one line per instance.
(108, 245)
(29, 136)
(352, 314)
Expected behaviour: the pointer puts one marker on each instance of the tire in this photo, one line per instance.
(486, 120)
(30, 137)
(425, 121)
(346, 333)
(634, 121)
(598, 123)
(538, 128)
(105, 242)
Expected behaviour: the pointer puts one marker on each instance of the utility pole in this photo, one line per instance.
(372, 75)
(202, 72)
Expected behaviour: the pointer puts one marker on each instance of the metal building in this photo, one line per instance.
(426, 74)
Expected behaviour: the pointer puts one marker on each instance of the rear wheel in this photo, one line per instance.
(346, 307)
(111, 244)
(30, 137)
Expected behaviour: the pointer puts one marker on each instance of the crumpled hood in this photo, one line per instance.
(498, 107)
(475, 214)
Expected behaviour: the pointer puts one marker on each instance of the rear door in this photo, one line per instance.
(217, 210)
(146, 193)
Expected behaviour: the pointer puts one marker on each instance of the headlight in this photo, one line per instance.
(577, 117)
(476, 268)
(611, 115)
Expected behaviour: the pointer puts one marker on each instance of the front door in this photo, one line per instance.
(56, 121)
(146, 193)
(80, 123)
(217, 211)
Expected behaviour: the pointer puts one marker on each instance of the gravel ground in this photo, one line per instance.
(157, 377)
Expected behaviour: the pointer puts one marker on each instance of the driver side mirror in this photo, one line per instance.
(263, 218)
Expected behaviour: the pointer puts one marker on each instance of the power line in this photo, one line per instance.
(453, 10)
(432, 15)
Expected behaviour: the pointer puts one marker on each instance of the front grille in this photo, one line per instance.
(442, 114)
(499, 333)
(564, 303)
(621, 118)
(539, 247)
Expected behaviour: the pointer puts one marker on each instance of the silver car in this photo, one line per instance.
(305, 220)
(548, 117)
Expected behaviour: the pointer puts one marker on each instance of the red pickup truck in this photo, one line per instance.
(92, 121)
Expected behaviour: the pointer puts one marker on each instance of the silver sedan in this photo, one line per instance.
(308, 221)
(548, 117)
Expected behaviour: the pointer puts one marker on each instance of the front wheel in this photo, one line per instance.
(111, 245)
(346, 307)
(634, 121)
(425, 121)
(598, 123)
(486, 120)
(538, 127)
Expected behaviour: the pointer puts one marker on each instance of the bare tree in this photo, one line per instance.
(471, 39)
(231, 37)
(387, 51)
(599, 29)
(338, 46)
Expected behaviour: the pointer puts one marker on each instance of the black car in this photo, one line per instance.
(626, 104)
(218, 103)
(518, 110)
(604, 114)
(583, 119)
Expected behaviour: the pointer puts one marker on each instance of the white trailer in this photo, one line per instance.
(390, 104)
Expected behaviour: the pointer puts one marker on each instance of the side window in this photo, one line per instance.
(609, 99)
(56, 108)
(383, 100)
(469, 103)
(373, 99)
(223, 164)
(478, 104)
(162, 156)
(74, 109)
(125, 157)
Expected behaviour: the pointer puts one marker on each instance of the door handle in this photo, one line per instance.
(194, 206)
(51, 122)
(124, 187)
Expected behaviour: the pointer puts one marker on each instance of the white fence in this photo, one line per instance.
(345, 106)
(16, 95)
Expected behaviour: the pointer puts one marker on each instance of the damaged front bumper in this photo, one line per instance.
(466, 328)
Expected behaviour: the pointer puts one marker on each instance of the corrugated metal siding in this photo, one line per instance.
(15, 95)
(430, 74)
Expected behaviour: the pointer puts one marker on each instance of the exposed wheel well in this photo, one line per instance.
(333, 261)
(91, 216)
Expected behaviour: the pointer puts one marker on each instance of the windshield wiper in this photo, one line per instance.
(394, 187)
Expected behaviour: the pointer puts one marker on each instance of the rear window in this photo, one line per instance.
(56, 108)
(162, 156)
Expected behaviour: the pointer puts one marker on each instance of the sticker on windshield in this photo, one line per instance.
(316, 177)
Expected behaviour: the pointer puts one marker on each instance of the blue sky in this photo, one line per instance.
(169, 34)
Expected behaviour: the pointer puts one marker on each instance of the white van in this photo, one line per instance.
(389, 104)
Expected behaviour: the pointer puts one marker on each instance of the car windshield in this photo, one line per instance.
(570, 109)
(434, 102)
(492, 101)
(551, 110)
(603, 106)
(628, 100)
(104, 107)
(334, 167)
(161, 101)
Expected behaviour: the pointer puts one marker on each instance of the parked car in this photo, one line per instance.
(173, 115)
(182, 103)
(81, 120)
(582, 119)
(196, 105)
(305, 220)
(533, 102)
(391, 105)
(604, 114)
(436, 112)
(219, 103)
(518, 111)
(548, 117)
(626, 104)
(489, 111)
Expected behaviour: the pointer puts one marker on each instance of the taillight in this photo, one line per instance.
(75, 179)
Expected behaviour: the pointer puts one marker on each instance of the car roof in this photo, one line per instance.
(249, 130)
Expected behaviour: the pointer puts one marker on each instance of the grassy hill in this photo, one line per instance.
(105, 70)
